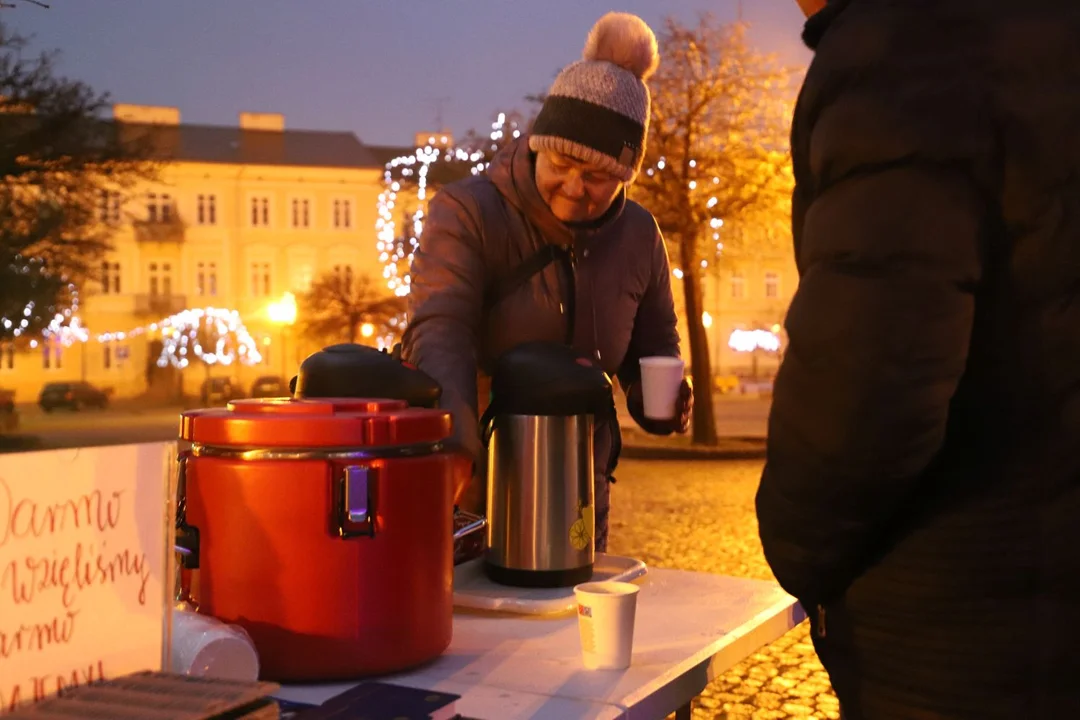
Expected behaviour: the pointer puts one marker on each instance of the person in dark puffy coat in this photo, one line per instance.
(921, 496)
(607, 291)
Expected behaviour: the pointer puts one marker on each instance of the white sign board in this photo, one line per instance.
(83, 566)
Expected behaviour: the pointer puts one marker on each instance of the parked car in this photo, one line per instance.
(9, 416)
(73, 396)
(269, 386)
(218, 391)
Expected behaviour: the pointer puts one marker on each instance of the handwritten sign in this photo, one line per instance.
(83, 567)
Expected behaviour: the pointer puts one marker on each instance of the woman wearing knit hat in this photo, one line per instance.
(546, 247)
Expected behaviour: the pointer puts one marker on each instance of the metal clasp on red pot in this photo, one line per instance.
(355, 512)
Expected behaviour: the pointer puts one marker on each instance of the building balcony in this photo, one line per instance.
(159, 231)
(159, 305)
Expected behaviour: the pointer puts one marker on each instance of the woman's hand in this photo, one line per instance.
(470, 491)
(684, 410)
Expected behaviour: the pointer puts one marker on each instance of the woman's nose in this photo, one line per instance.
(573, 186)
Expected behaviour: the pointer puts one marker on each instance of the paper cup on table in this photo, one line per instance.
(606, 612)
(205, 647)
(661, 379)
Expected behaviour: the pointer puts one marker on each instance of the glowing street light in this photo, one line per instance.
(283, 314)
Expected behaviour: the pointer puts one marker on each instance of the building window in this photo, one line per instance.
(110, 278)
(301, 213)
(260, 279)
(51, 354)
(159, 207)
(738, 286)
(109, 207)
(260, 212)
(343, 214)
(160, 278)
(113, 355)
(7, 356)
(772, 285)
(302, 276)
(344, 275)
(206, 279)
(206, 209)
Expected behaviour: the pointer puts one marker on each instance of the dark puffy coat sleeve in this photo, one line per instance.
(656, 327)
(878, 330)
(445, 306)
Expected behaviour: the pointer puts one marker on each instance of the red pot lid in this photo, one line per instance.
(323, 422)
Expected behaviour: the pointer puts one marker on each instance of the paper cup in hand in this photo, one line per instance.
(606, 612)
(206, 647)
(661, 379)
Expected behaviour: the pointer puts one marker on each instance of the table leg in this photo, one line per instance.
(685, 712)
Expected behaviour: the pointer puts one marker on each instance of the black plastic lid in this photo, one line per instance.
(357, 371)
(542, 378)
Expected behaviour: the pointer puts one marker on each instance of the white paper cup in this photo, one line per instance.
(606, 612)
(661, 378)
(205, 647)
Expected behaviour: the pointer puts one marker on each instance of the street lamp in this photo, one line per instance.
(283, 314)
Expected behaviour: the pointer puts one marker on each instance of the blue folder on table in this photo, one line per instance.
(384, 701)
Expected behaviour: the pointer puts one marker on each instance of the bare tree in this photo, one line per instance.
(338, 306)
(65, 171)
(717, 158)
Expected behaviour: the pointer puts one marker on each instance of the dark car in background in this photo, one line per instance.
(72, 396)
(269, 386)
(9, 416)
(217, 391)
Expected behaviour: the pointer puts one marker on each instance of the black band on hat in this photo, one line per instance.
(591, 125)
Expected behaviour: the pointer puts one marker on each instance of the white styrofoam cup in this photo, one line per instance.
(206, 647)
(661, 379)
(606, 612)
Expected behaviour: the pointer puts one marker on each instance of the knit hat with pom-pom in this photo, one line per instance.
(598, 108)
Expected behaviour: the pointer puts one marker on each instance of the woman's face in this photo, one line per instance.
(575, 191)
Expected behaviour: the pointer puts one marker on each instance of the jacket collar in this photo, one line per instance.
(818, 23)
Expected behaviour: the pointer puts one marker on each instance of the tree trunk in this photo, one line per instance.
(354, 329)
(704, 426)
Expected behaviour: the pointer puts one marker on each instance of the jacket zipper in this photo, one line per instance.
(821, 621)
(570, 264)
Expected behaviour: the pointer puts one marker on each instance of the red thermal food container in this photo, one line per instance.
(325, 529)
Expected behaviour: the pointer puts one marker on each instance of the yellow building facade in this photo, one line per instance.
(748, 293)
(238, 217)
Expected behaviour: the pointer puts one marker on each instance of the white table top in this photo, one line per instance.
(690, 627)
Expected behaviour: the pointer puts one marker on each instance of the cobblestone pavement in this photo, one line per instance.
(706, 510)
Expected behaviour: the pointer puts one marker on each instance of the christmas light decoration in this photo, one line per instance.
(751, 340)
(395, 251)
(213, 335)
(183, 336)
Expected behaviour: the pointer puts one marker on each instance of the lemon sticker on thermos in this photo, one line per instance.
(582, 529)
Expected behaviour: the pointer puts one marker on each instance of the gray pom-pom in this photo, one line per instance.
(625, 40)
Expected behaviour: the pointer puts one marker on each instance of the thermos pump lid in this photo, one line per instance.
(358, 371)
(542, 378)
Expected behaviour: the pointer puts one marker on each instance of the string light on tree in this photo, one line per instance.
(715, 223)
(34, 279)
(396, 250)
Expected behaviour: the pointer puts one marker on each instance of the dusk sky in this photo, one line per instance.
(375, 67)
